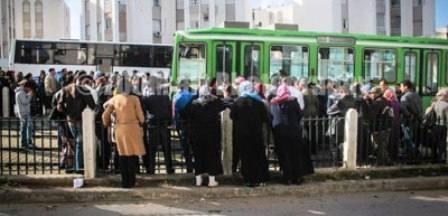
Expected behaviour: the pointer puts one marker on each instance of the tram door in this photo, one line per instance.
(250, 56)
(224, 61)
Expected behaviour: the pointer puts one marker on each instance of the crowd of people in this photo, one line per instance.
(137, 112)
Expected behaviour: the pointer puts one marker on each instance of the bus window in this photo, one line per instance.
(224, 58)
(135, 56)
(432, 72)
(33, 53)
(161, 56)
(379, 64)
(410, 63)
(91, 54)
(191, 62)
(292, 59)
(70, 54)
(336, 63)
(252, 61)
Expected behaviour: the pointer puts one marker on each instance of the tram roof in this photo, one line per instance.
(309, 34)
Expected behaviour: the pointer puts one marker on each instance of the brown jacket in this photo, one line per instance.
(129, 116)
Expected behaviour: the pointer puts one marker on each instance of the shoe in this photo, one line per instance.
(213, 184)
(198, 181)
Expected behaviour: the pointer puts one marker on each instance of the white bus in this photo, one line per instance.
(32, 56)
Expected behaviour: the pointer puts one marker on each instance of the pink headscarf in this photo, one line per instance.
(283, 94)
(389, 95)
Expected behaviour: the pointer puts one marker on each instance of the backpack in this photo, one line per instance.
(388, 112)
(430, 118)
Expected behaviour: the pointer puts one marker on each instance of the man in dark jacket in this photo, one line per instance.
(379, 120)
(74, 99)
(412, 112)
(157, 107)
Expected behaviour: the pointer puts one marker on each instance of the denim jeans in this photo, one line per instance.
(76, 130)
(26, 131)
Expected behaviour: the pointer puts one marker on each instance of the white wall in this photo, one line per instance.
(54, 19)
(362, 19)
(407, 23)
(168, 17)
(429, 11)
(139, 21)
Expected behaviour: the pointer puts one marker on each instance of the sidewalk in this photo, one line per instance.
(48, 189)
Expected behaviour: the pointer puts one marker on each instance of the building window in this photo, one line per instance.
(156, 28)
(38, 13)
(26, 14)
(180, 4)
(417, 19)
(156, 3)
(395, 17)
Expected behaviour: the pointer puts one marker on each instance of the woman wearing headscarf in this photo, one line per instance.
(395, 133)
(249, 113)
(292, 153)
(438, 132)
(128, 131)
(206, 133)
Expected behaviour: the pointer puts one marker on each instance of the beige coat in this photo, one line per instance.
(129, 116)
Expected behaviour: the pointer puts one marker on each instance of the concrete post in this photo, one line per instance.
(6, 99)
(89, 143)
(226, 142)
(350, 139)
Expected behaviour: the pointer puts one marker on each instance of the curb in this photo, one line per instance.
(103, 194)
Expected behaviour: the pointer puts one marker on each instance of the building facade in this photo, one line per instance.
(382, 17)
(155, 21)
(32, 19)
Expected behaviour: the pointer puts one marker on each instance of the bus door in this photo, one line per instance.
(104, 64)
(431, 76)
(224, 61)
(250, 60)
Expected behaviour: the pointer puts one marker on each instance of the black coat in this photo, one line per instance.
(206, 135)
(249, 116)
(292, 152)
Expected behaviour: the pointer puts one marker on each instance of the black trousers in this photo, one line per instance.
(128, 170)
(184, 135)
(158, 135)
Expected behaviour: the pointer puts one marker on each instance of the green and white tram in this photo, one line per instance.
(225, 53)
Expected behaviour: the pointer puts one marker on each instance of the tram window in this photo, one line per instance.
(135, 56)
(291, 59)
(336, 63)
(432, 73)
(70, 54)
(224, 58)
(191, 62)
(379, 64)
(410, 64)
(252, 61)
(161, 56)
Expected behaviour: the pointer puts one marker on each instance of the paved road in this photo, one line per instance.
(428, 203)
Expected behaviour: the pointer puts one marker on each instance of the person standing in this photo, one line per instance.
(128, 131)
(157, 107)
(412, 112)
(395, 133)
(74, 99)
(184, 97)
(50, 86)
(294, 159)
(249, 114)
(206, 131)
(24, 95)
